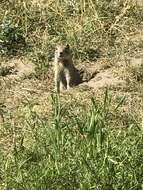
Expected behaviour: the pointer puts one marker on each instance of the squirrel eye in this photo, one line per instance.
(67, 46)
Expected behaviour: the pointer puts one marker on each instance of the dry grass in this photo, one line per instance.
(89, 132)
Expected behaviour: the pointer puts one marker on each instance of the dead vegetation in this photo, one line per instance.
(76, 128)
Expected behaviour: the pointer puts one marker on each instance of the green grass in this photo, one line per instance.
(82, 151)
(78, 145)
(93, 29)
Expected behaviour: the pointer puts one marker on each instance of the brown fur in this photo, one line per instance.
(66, 75)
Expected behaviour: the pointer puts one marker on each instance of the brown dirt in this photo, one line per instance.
(19, 91)
(22, 97)
(18, 68)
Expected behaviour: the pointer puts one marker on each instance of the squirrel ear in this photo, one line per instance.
(67, 46)
(56, 47)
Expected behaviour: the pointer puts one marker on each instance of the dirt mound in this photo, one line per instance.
(102, 74)
(17, 68)
(105, 78)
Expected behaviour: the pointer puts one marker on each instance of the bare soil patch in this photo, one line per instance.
(18, 91)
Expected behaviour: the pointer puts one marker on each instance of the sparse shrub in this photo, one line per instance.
(11, 38)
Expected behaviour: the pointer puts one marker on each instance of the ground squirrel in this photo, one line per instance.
(66, 75)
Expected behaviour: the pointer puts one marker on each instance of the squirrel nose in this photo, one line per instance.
(61, 54)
